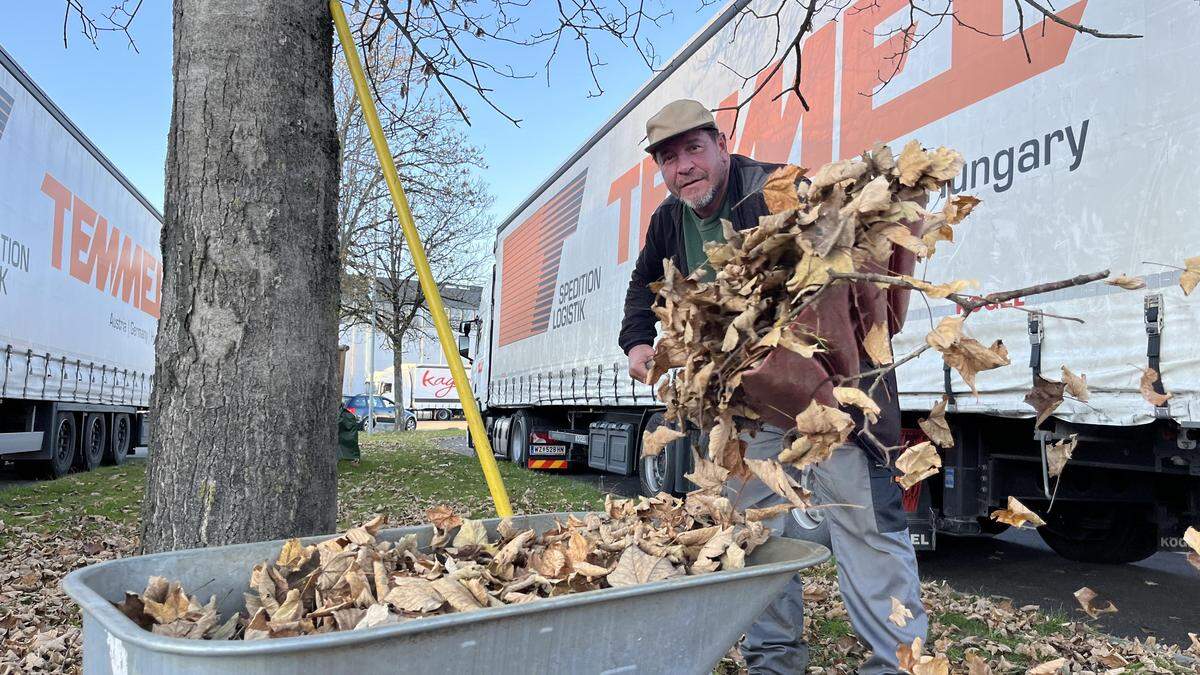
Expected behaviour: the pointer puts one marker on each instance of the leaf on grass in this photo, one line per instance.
(1017, 515)
(1190, 276)
(1076, 384)
(653, 442)
(900, 614)
(1048, 668)
(1146, 386)
(1128, 283)
(773, 475)
(859, 399)
(635, 566)
(413, 594)
(917, 463)
(976, 665)
(878, 344)
(1086, 598)
(936, 427)
(443, 517)
(780, 189)
(1058, 454)
(1045, 397)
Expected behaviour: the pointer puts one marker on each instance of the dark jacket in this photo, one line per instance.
(664, 239)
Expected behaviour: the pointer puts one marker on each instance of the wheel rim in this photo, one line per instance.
(518, 448)
(63, 452)
(654, 468)
(121, 437)
(410, 424)
(95, 440)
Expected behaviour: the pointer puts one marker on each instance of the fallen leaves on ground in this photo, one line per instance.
(1086, 598)
(1017, 515)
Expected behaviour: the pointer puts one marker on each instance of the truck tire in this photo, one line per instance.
(95, 441)
(518, 439)
(442, 414)
(1095, 533)
(119, 440)
(657, 473)
(62, 447)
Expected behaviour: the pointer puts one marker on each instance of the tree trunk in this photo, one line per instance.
(245, 401)
(397, 339)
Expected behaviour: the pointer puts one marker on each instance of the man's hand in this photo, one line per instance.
(640, 359)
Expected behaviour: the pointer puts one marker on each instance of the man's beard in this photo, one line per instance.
(703, 200)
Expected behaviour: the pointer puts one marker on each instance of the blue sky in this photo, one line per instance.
(122, 99)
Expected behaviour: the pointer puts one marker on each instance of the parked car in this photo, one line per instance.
(384, 410)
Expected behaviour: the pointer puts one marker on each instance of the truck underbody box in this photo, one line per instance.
(611, 446)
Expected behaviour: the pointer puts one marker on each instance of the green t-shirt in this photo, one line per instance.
(698, 232)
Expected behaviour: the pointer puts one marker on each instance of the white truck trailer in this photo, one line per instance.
(1083, 157)
(80, 289)
(429, 392)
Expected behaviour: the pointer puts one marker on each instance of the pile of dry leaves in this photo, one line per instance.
(838, 227)
(356, 580)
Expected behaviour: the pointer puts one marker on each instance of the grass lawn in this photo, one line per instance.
(401, 473)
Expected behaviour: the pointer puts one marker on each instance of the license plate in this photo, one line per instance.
(547, 450)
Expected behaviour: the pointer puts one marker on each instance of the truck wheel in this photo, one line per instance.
(442, 415)
(656, 473)
(119, 440)
(1108, 534)
(62, 446)
(95, 440)
(518, 439)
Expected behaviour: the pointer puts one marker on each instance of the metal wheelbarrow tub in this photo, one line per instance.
(681, 625)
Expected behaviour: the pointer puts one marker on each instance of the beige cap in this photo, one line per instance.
(675, 118)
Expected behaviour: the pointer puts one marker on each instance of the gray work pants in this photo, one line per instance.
(875, 560)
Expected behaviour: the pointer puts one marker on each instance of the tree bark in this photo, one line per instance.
(244, 409)
(397, 340)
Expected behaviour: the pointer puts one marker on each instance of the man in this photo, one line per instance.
(874, 554)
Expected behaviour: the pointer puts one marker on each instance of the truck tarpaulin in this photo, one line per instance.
(1083, 160)
(80, 268)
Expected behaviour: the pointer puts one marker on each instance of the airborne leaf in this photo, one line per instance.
(1146, 386)
(1045, 397)
(1058, 454)
(900, 614)
(878, 345)
(1086, 598)
(936, 427)
(859, 399)
(653, 442)
(917, 463)
(773, 475)
(1190, 277)
(959, 207)
(1128, 283)
(1017, 515)
(1076, 384)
